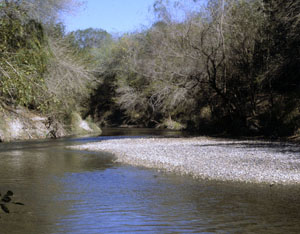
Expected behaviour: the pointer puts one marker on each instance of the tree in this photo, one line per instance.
(46, 11)
(23, 58)
(235, 60)
(278, 59)
(39, 67)
(68, 78)
(91, 38)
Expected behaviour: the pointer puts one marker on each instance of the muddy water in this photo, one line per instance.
(67, 191)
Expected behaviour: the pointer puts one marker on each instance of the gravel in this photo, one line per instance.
(208, 158)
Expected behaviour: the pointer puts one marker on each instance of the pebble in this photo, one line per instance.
(208, 158)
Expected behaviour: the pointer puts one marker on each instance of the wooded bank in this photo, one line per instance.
(231, 66)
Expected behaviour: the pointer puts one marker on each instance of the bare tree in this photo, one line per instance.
(67, 77)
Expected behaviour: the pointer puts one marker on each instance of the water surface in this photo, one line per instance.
(68, 191)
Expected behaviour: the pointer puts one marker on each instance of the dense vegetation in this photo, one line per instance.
(230, 66)
(39, 67)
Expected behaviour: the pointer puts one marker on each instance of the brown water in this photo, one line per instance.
(67, 191)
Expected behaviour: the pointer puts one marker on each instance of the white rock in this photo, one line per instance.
(84, 125)
(15, 128)
(38, 118)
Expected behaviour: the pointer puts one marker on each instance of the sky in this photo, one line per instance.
(114, 16)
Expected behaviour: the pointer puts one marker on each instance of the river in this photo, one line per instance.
(69, 191)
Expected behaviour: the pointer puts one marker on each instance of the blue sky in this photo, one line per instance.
(115, 16)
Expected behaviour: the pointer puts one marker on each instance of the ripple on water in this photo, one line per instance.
(68, 191)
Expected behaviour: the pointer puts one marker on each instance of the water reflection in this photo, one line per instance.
(34, 175)
(68, 191)
(131, 200)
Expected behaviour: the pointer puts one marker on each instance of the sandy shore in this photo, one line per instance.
(226, 160)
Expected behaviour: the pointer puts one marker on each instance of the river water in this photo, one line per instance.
(68, 191)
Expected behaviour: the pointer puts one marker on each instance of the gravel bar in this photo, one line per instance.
(208, 158)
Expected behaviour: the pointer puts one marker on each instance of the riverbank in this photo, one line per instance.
(19, 123)
(209, 158)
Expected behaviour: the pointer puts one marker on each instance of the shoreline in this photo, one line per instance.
(209, 158)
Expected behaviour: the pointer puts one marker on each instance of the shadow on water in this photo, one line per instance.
(107, 134)
(235, 207)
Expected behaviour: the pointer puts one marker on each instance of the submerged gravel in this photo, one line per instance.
(206, 158)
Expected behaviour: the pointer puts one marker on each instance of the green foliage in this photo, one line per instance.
(173, 125)
(23, 58)
(233, 65)
(91, 38)
(40, 68)
(93, 126)
(79, 126)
